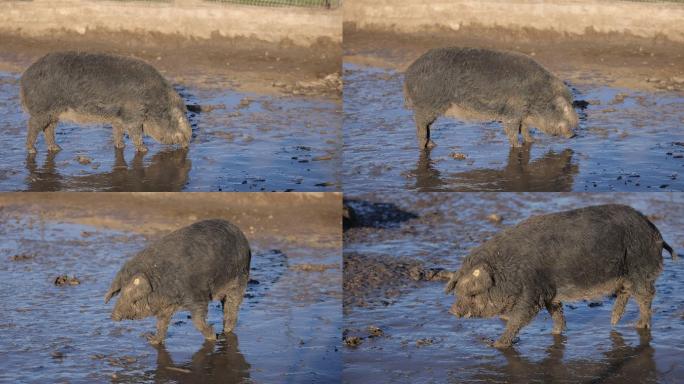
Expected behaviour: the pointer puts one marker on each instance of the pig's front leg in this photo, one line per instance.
(556, 311)
(518, 318)
(199, 318)
(163, 320)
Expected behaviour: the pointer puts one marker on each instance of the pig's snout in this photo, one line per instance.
(454, 310)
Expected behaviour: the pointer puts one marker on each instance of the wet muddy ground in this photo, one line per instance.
(288, 327)
(243, 142)
(627, 141)
(397, 327)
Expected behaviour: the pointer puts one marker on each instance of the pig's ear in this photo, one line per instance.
(451, 285)
(479, 280)
(562, 105)
(113, 290)
(138, 286)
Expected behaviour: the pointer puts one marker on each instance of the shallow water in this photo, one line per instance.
(626, 143)
(422, 342)
(288, 326)
(265, 143)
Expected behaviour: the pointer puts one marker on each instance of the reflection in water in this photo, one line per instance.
(166, 171)
(551, 172)
(215, 362)
(622, 363)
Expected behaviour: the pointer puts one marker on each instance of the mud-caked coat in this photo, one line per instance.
(566, 256)
(184, 270)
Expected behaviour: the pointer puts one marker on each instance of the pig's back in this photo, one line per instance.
(71, 79)
(455, 74)
(204, 256)
(589, 246)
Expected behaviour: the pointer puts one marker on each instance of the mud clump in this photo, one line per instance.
(374, 331)
(494, 218)
(352, 341)
(66, 280)
(313, 267)
(84, 160)
(372, 280)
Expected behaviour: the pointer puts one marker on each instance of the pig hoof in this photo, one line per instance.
(54, 148)
(141, 148)
(155, 340)
(211, 337)
(31, 151)
(643, 325)
(430, 144)
(501, 344)
(119, 145)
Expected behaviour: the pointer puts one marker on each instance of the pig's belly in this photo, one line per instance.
(469, 114)
(87, 118)
(574, 292)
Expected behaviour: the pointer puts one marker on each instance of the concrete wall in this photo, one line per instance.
(643, 19)
(187, 18)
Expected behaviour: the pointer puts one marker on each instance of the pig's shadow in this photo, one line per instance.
(620, 364)
(551, 172)
(360, 213)
(167, 171)
(215, 362)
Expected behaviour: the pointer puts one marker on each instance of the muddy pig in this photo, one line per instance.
(184, 270)
(566, 256)
(486, 85)
(83, 87)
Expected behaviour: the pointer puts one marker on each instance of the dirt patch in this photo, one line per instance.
(373, 280)
(616, 59)
(240, 63)
(258, 214)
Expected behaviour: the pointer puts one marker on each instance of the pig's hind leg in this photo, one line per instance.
(36, 124)
(231, 304)
(556, 311)
(118, 131)
(199, 318)
(49, 133)
(525, 130)
(423, 122)
(619, 306)
(512, 128)
(643, 293)
(136, 132)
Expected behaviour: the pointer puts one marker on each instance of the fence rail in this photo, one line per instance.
(263, 3)
(286, 3)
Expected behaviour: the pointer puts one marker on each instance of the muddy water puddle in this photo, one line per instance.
(288, 327)
(627, 141)
(404, 332)
(244, 142)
